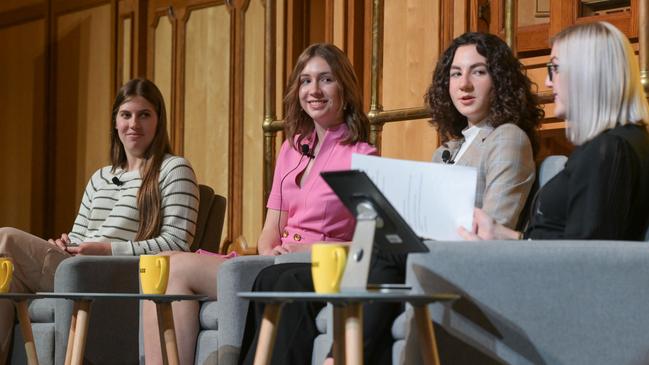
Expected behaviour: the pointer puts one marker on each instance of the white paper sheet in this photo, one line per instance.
(435, 199)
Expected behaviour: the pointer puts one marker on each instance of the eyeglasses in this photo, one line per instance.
(553, 69)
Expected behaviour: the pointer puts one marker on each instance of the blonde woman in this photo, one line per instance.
(145, 202)
(603, 192)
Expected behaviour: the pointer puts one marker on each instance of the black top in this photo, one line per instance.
(603, 192)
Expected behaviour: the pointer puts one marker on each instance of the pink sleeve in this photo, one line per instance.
(365, 149)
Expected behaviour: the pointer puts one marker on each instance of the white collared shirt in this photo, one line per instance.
(470, 133)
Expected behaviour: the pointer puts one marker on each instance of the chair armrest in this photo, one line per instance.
(299, 257)
(118, 274)
(234, 276)
(113, 324)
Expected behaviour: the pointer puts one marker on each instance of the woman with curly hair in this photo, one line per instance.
(482, 104)
(480, 99)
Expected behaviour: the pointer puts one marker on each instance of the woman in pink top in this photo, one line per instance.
(324, 125)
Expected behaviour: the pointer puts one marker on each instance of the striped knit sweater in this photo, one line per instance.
(108, 213)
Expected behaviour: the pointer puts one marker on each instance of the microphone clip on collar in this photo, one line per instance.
(117, 181)
(306, 151)
(446, 157)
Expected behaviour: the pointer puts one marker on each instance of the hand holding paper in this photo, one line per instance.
(435, 199)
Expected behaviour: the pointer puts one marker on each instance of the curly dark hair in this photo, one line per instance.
(512, 97)
(297, 122)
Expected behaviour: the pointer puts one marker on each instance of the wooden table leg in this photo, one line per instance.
(267, 333)
(26, 328)
(354, 334)
(71, 334)
(82, 307)
(427, 344)
(339, 334)
(167, 333)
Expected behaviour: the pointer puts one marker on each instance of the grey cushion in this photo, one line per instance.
(209, 316)
(222, 321)
(304, 257)
(44, 340)
(321, 321)
(42, 311)
(540, 302)
(113, 327)
(551, 166)
(116, 321)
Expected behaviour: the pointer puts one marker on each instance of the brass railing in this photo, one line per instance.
(377, 116)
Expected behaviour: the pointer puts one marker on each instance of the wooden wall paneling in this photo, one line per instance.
(461, 19)
(281, 74)
(409, 54)
(496, 16)
(562, 14)
(160, 58)
(207, 96)
(446, 19)
(367, 54)
(22, 130)
(7, 6)
(131, 41)
(83, 97)
(479, 15)
(338, 24)
(275, 75)
(297, 31)
(355, 26)
(132, 14)
(180, 16)
(16, 12)
(318, 24)
(253, 100)
(238, 9)
(50, 128)
(329, 20)
(124, 49)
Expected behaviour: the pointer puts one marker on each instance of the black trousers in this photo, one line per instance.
(297, 329)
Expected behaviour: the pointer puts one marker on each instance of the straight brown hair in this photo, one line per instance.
(148, 196)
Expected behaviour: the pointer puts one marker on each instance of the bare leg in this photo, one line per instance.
(190, 274)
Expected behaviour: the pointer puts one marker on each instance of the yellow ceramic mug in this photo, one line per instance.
(154, 273)
(6, 272)
(327, 266)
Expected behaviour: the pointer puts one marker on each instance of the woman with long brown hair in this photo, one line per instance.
(324, 125)
(145, 202)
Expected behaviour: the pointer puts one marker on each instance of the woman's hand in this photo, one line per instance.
(297, 247)
(60, 242)
(486, 228)
(275, 251)
(91, 248)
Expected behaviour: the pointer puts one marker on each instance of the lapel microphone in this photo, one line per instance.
(117, 181)
(446, 157)
(306, 151)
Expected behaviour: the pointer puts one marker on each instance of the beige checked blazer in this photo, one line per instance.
(506, 170)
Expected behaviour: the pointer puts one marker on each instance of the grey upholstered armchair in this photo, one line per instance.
(113, 329)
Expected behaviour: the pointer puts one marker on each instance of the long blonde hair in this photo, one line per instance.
(148, 196)
(600, 80)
